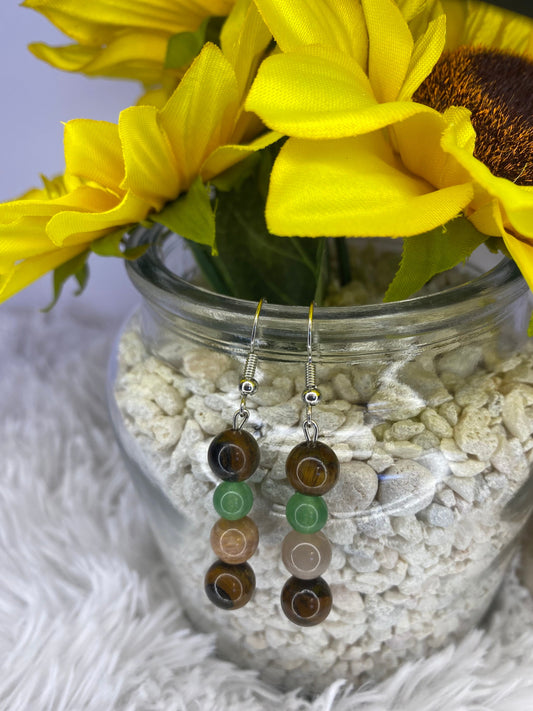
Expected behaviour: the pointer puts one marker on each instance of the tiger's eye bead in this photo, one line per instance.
(229, 586)
(233, 455)
(306, 556)
(234, 541)
(233, 500)
(306, 514)
(306, 602)
(312, 468)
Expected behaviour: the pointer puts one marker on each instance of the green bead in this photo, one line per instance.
(233, 500)
(306, 514)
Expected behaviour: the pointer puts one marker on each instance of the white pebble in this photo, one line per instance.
(355, 489)
(437, 515)
(406, 488)
(395, 401)
(473, 435)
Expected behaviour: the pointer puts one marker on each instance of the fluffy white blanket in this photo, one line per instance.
(88, 621)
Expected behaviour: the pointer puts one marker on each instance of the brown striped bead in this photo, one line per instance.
(306, 602)
(229, 586)
(312, 468)
(233, 455)
(234, 541)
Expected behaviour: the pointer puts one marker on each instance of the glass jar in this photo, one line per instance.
(427, 404)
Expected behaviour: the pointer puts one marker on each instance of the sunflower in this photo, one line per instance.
(123, 38)
(119, 175)
(465, 144)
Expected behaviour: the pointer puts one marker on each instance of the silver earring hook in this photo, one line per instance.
(311, 394)
(254, 326)
(248, 383)
(310, 331)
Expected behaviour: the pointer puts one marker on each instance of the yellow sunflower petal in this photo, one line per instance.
(320, 93)
(479, 23)
(426, 52)
(516, 200)
(93, 151)
(521, 250)
(71, 228)
(200, 115)
(390, 47)
(354, 187)
(298, 23)
(26, 272)
(81, 198)
(226, 156)
(243, 40)
(131, 55)
(26, 237)
(419, 144)
(93, 22)
(151, 169)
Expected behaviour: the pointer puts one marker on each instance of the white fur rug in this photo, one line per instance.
(88, 621)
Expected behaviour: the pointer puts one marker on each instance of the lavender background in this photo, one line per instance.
(36, 99)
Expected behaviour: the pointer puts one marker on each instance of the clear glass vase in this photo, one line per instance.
(428, 404)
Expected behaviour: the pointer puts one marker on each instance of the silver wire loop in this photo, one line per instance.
(243, 414)
(308, 425)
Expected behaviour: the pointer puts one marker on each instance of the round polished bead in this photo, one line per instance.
(306, 555)
(306, 602)
(233, 500)
(233, 455)
(306, 514)
(312, 468)
(234, 541)
(229, 586)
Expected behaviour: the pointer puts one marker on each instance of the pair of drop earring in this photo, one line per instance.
(312, 469)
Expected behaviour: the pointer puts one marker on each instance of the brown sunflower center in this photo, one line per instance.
(497, 87)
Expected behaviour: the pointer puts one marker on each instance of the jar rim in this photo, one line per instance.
(156, 282)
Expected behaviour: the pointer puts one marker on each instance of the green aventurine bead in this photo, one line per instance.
(233, 500)
(306, 514)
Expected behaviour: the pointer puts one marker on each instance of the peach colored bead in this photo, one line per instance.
(234, 541)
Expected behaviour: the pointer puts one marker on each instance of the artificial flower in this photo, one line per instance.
(423, 170)
(118, 175)
(123, 38)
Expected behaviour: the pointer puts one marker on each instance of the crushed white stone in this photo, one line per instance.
(432, 464)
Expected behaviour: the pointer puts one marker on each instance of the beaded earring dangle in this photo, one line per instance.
(312, 469)
(233, 456)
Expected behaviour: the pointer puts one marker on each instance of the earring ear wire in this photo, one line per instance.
(233, 456)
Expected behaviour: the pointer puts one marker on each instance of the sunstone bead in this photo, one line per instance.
(312, 468)
(306, 602)
(306, 514)
(229, 586)
(233, 455)
(234, 541)
(233, 500)
(306, 555)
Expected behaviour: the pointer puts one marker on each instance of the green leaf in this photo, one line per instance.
(234, 177)
(183, 47)
(431, 253)
(530, 327)
(191, 215)
(251, 262)
(76, 267)
(111, 246)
